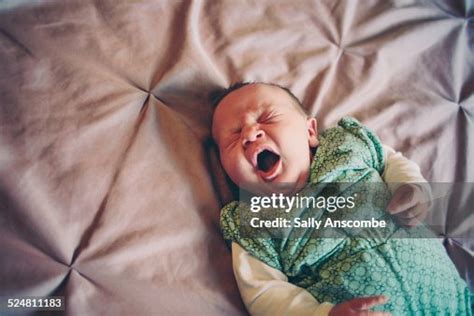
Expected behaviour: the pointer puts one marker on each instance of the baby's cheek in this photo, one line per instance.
(228, 166)
(235, 170)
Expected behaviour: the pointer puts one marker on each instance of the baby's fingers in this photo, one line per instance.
(369, 313)
(414, 216)
(360, 307)
(403, 199)
(364, 303)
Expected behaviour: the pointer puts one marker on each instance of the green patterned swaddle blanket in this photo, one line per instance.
(415, 273)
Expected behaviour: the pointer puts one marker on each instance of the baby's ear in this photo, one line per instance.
(312, 125)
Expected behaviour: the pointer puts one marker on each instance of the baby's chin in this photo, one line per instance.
(286, 183)
(266, 189)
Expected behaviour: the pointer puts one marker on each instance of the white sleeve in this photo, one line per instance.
(266, 291)
(400, 170)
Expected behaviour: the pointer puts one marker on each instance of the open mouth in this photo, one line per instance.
(268, 164)
(266, 160)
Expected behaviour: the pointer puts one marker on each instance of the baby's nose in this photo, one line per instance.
(251, 135)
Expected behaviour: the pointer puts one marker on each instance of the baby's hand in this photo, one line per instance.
(359, 307)
(409, 205)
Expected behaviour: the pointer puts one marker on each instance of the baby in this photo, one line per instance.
(267, 144)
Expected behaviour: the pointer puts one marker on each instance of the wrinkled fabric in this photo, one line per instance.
(109, 185)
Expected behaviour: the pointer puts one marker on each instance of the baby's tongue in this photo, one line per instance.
(266, 160)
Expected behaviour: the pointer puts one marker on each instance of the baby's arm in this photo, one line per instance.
(266, 291)
(399, 169)
(411, 194)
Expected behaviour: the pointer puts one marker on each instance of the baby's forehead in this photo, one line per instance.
(254, 97)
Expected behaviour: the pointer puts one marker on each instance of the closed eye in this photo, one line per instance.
(236, 130)
(267, 117)
(233, 139)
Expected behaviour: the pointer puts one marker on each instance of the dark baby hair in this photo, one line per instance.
(217, 95)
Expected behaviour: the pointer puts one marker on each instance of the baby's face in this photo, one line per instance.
(264, 140)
